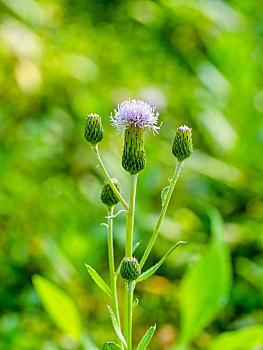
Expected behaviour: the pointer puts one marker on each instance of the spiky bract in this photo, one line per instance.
(107, 196)
(93, 131)
(182, 145)
(130, 269)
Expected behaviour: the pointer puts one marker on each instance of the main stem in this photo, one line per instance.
(128, 253)
(162, 214)
(107, 176)
(113, 278)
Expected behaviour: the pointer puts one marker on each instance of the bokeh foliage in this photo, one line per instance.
(201, 63)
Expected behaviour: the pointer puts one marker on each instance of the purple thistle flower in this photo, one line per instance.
(139, 113)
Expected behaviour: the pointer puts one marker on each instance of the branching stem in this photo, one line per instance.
(162, 214)
(107, 176)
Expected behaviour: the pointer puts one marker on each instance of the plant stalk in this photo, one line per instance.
(129, 286)
(162, 214)
(113, 277)
(107, 176)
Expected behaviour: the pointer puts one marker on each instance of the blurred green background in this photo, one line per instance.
(201, 63)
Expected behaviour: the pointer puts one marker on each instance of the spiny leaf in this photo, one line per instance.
(98, 280)
(110, 346)
(146, 339)
(116, 327)
(154, 268)
(164, 194)
(135, 303)
(59, 306)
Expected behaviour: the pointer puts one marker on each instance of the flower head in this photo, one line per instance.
(138, 113)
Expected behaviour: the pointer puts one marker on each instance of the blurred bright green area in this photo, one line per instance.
(201, 63)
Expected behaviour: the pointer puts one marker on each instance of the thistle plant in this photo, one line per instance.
(132, 118)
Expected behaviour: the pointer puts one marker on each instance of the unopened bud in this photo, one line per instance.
(93, 131)
(107, 196)
(182, 146)
(130, 269)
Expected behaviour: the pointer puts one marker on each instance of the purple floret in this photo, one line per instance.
(135, 112)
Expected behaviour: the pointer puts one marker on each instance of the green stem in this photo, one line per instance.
(113, 277)
(128, 253)
(162, 214)
(107, 176)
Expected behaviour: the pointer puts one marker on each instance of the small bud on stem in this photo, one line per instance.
(107, 196)
(182, 145)
(130, 269)
(93, 131)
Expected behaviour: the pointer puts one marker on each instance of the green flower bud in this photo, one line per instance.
(130, 269)
(182, 146)
(107, 195)
(133, 157)
(93, 131)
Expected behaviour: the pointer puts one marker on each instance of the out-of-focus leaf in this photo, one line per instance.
(146, 338)
(87, 343)
(98, 280)
(110, 346)
(116, 327)
(59, 306)
(154, 268)
(206, 285)
(242, 339)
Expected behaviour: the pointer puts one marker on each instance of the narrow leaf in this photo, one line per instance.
(154, 268)
(135, 303)
(59, 306)
(164, 194)
(116, 327)
(136, 245)
(98, 280)
(241, 339)
(146, 339)
(110, 346)
(206, 285)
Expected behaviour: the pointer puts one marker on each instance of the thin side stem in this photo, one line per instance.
(107, 176)
(128, 253)
(162, 214)
(113, 278)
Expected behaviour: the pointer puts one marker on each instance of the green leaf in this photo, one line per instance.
(59, 306)
(98, 280)
(206, 285)
(164, 194)
(135, 303)
(154, 268)
(116, 327)
(241, 339)
(110, 346)
(146, 339)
